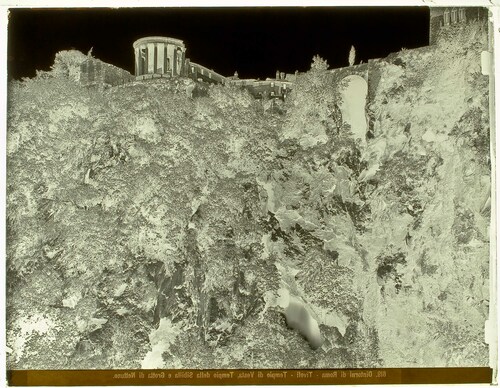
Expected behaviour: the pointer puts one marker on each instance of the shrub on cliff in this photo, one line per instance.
(67, 63)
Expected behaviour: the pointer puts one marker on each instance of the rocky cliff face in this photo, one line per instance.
(150, 228)
(430, 218)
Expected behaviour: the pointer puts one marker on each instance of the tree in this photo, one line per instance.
(352, 56)
(319, 63)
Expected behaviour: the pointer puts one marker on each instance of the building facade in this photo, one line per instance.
(442, 17)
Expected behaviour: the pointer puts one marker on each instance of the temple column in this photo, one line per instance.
(144, 60)
(151, 58)
(166, 67)
(160, 50)
(170, 56)
(175, 63)
(137, 59)
(181, 63)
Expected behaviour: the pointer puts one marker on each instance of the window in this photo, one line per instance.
(461, 15)
(446, 18)
(454, 16)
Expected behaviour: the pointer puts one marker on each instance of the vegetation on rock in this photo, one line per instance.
(152, 226)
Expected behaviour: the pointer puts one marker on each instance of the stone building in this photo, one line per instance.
(94, 72)
(442, 17)
(157, 56)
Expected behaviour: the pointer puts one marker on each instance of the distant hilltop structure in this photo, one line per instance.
(443, 17)
(165, 57)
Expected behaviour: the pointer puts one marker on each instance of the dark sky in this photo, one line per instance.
(254, 41)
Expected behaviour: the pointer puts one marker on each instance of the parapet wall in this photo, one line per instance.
(199, 72)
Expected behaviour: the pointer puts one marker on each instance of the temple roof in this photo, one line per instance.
(159, 39)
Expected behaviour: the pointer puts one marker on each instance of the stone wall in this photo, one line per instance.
(97, 72)
(199, 72)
